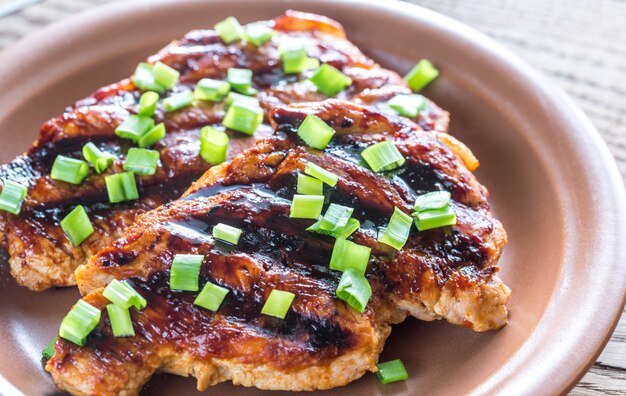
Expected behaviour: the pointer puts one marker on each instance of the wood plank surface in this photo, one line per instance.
(579, 44)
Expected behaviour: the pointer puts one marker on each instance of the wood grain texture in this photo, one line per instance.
(579, 44)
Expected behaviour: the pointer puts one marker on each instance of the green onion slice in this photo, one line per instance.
(48, 352)
(123, 295)
(432, 200)
(315, 132)
(77, 226)
(100, 160)
(152, 136)
(69, 170)
(354, 289)
(391, 371)
(227, 233)
(209, 89)
(407, 105)
(243, 99)
(12, 197)
(185, 272)
(121, 187)
(177, 101)
(144, 78)
(397, 232)
(240, 79)
(259, 33)
(309, 185)
(330, 80)
(121, 324)
(278, 303)
(345, 232)
(213, 145)
(230, 30)
(79, 322)
(243, 118)
(320, 173)
(147, 103)
(421, 75)
(134, 127)
(165, 75)
(138, 302)
(383, 156)
(335, 218)
(211, 296)
(142, 161)
(306, 206)
(435, 218)
(295, 59)
(347, 254)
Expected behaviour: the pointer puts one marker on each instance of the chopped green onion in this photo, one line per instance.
(211, 296)
(320, 173)
(295, 59)
(185, 272)
(12, 197)
(336, 217)
(213, 145)
(79, 322)
(345, 232)
(383, 156)
(209, 89)
(165, 75)
(100, 160)
(152, 136)
(134, 127)
(243, 118)
(315, 132)
(230, 30)
(178, 100)
(69, 170)
(141, 161)
(121, 324)
(243, 99)
(434, 218)
(121, 187)
(239, 79)
(138, 301)
(421, 75)
(408, 105)
(48, 351)
(278, 303)
(144, 78)
(259, 33)
(306, 206)
(397, 232)
(354, 289)
(77, 226)
(391, 371)
(227, 233)
(147, 103)
(329, 80)
(432, 200)
(123, 295)
(347, 254)
(308, 185)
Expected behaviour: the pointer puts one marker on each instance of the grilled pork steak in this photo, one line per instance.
(40, 254)
(447, 272)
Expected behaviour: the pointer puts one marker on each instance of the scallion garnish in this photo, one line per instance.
(259, 33)
(121, 324)
(227, 233)
(354, 289)
(347, 254)
(243, 99)
(12, 197)
(345, 232)
(306, 206)
(165, 75)
(432, 200)
(185, 272)
(209, 89)
(79, 322)
(77, 226)
(121, 187)
(230, 30)
(408, 105)
(243, 118)
(48, 352)
(397, 232)
(308, 185)
(147, 103)
(213, 145)
(141, 161)
(315, 132)
(435, 218)
(383, 156)
(69, 170)
(320, 173)
(177, 101)
(211, 296)
(240, 80)
(144, 79)
(330, 80)
(391, 371)
(100, 160)
(335, 218)
(278, 303)
(123, 295)
(138, 301)
(134, 127)
(421, 75)
(152, 136)
(295, 59)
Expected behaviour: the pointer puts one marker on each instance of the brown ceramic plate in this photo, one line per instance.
(552, 181)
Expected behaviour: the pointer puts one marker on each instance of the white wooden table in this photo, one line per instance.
(580, 45)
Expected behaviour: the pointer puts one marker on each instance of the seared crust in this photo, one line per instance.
(40, 255)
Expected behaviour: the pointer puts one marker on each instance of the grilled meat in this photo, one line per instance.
(448, 272)
(41, 256)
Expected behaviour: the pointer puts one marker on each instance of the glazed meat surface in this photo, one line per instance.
(448, 272)
(40, 254)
